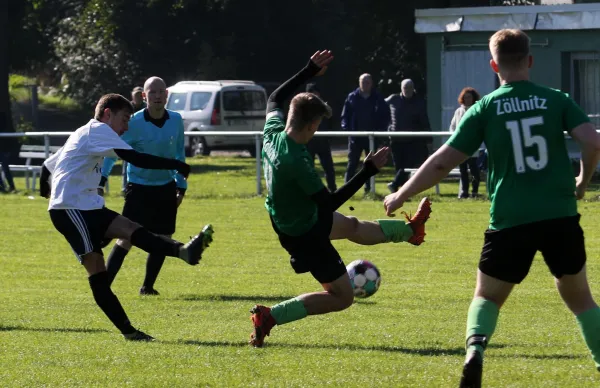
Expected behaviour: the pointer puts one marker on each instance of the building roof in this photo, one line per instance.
(536, 17)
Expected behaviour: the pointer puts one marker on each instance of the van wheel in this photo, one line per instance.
(199, 146)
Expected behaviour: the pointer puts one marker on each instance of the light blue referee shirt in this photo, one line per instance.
(148, 136)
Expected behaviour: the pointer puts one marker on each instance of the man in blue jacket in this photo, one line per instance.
(152, 196)
(364, 110)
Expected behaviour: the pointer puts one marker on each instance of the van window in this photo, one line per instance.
(199, 100)
(244, 100)
(177, 101)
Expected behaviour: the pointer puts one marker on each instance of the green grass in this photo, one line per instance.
(17, 87)
(410, 334)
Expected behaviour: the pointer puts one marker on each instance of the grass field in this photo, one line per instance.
(410, 334)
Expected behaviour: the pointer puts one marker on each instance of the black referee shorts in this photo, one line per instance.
(153, 207)
(313, 252)
(507, 254)
(84, 230)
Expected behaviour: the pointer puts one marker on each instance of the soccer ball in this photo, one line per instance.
(365, 278)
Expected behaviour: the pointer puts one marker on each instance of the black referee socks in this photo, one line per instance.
(115, 261)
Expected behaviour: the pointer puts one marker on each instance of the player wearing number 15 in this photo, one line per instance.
(532, 189)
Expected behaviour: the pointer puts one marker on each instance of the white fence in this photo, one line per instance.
(258, 142)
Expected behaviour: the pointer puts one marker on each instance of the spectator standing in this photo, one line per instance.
(408, 114)
(321, 147)
(7, 144)
(364, 110)
(137, 100)
(468, 96)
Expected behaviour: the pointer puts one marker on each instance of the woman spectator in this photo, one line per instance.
(468, 96)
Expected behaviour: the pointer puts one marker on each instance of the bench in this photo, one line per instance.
(30, 152)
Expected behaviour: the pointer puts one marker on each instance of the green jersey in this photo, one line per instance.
(291, 179)
(530, 177)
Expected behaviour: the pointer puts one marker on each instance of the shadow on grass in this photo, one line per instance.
(350, 347)
(543, 356)
(364, 301)
(235, 298)
(53, 329)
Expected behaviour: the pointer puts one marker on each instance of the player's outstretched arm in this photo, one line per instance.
(152, 162)
(371, 166)
(316, 66)
(435, 168)
(589, 141)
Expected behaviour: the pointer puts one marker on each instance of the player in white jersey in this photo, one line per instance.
(78, 212)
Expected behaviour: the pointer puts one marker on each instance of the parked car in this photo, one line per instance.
(221, 106)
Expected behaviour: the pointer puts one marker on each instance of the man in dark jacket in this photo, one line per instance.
(408, 114)
(364, 110)
(137, 100)
(320, 146)
(7, 145)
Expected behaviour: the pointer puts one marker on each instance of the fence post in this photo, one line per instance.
(257, 140)
(47, 145)
(372, 149)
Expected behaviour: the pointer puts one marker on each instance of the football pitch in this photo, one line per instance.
(409, 334)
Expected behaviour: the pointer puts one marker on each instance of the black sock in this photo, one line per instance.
(153, 266)
(154, 243)
(115, 261)
(109, 303)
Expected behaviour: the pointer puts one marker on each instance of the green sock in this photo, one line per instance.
(395, 230)
(288, 311)
(481, 321)
(589, 323)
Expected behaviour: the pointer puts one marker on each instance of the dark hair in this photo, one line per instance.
(114, 102)
(305, 108)
(472, 91)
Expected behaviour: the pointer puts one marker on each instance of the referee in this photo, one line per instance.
(152, 196)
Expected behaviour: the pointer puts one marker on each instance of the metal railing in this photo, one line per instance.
(258, 142)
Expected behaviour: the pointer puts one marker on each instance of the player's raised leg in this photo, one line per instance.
(140, 237)
(383, 231)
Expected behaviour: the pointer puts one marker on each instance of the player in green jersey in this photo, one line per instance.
(303, 212)
(532, 189)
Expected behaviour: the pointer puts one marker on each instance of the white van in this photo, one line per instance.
(219, 106)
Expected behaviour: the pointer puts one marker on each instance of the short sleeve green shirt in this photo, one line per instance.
(530, 177)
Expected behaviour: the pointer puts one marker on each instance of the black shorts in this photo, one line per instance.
(83, 229)
(508, 253)
(153, 207)
(313, 252)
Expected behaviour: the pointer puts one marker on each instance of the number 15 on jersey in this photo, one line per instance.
(520, 133)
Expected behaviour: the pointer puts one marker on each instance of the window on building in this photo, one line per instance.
(585, 83)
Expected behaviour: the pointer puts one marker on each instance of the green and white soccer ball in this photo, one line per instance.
(365, 278)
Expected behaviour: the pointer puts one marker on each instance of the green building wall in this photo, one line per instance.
(551, 51)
